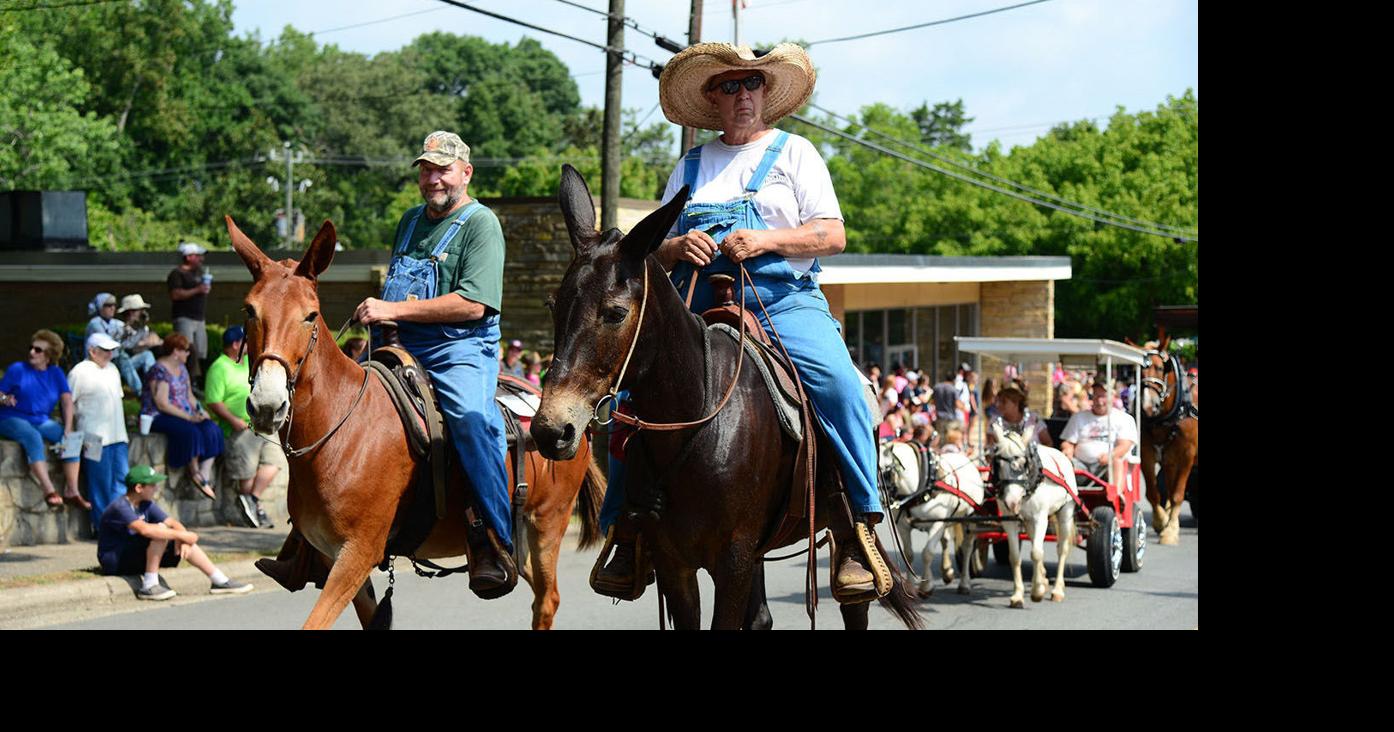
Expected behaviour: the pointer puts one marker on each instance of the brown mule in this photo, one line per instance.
(345, 488)
(723, 484)
(1168, 425)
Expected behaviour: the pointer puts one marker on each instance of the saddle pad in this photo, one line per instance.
(523, 405)
(787, 410)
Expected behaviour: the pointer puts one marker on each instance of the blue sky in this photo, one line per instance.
(1018, 72)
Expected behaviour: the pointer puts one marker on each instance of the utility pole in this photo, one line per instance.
(290, 186)
(610, 163)
(736, 22)
(694, 36)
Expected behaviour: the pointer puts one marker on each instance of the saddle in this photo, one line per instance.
(428, 437)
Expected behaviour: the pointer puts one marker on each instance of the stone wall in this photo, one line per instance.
(539, 251)
(1020, 310)
(25, 519)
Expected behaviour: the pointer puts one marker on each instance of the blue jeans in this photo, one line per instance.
(32, 437)
(133, 367)
(464, 367)
(106, 479)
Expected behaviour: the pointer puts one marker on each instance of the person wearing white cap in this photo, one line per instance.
(189, 286)
(96, 388)
(763, 198)
(138, 342)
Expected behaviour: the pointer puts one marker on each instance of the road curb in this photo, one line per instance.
(41, 605)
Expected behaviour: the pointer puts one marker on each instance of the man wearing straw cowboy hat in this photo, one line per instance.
(763, 197)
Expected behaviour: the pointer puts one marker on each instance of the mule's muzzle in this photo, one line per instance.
(267, 419)
(556, 440)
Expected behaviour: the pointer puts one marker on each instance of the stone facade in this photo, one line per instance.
(1020, 310)
(26, 520)
(539, 251)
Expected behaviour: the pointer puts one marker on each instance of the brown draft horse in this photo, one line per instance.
(725, 484)
(1168, 426)
(344, 493)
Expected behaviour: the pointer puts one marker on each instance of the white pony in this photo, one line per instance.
(1023, 491)
(900, 462)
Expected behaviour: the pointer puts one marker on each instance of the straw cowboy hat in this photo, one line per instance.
(789, 79)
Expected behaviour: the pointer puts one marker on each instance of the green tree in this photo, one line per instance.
(943, 125)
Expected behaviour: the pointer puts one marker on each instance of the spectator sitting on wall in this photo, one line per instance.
(102, 313)
(168, 397)
(512, 364)
(188, 287)
(532, 368)
(248, 458)
(96, 389)
(136, 536)
(138, 342)
(28, 393)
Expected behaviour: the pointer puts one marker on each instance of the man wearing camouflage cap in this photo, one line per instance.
(444, 290)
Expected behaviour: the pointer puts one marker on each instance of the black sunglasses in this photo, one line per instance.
(37, 349)
(731, 86)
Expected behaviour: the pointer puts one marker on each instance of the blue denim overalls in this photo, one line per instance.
(800, 313)
(464, 366)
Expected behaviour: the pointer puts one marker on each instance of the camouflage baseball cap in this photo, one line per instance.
(443, 148)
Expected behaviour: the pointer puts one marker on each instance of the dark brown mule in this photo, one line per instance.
(344, 493)
(1170, 425)
(725, 484)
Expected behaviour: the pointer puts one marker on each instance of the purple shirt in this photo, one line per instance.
(178, 389)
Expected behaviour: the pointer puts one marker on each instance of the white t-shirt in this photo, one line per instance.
(1090, 433)
(97, 401)
(797, 190)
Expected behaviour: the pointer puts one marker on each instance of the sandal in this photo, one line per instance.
(205, 488)
(77, 500)
(53, 500)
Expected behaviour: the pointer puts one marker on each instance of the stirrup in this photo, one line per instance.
(642, 577)
(864, 544)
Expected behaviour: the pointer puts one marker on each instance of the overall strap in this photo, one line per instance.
(767, 162)
(406, 236)
(691, 162)
(455, 227)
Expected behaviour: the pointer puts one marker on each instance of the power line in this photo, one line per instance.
(1005, 181)
(662, 41)
(988, 186)
(628, 56)
(375, 22)
(925, 25)
(56, 6)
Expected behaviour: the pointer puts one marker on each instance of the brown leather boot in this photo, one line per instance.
(492, 571)
(295, 565)
(619, 578)
(860, 573)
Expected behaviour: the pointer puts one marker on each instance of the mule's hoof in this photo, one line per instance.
(949, 577)
(963, 589)
(1037, 596)
(924, 591)
(1017, 603)
(1057, 597)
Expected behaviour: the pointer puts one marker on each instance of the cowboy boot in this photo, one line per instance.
(620, 578)
(294, 565)
(860, 573)
(492, 571)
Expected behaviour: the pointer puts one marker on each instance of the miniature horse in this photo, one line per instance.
(1023, 491)
(725, 484)
(1169, 422)
(345, 492)
(900, 466)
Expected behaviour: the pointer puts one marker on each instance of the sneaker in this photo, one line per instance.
(247, 509)
(157, 592)
(231, 587)
(263, 519)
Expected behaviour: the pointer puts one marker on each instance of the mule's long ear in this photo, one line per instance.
(578, 208)
(250, 254)
(649, 233)
(320, 253)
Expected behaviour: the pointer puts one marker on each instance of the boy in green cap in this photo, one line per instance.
(136, 536)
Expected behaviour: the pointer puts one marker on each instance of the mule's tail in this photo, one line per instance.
(592, 496)
(899, 600)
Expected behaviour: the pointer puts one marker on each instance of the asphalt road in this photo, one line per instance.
(1164, 595)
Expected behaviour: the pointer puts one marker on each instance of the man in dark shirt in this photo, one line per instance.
(136, 536)
(188, 289)
(946, 403)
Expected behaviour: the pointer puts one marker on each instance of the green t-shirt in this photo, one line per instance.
(227, 383)
(473, 266)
